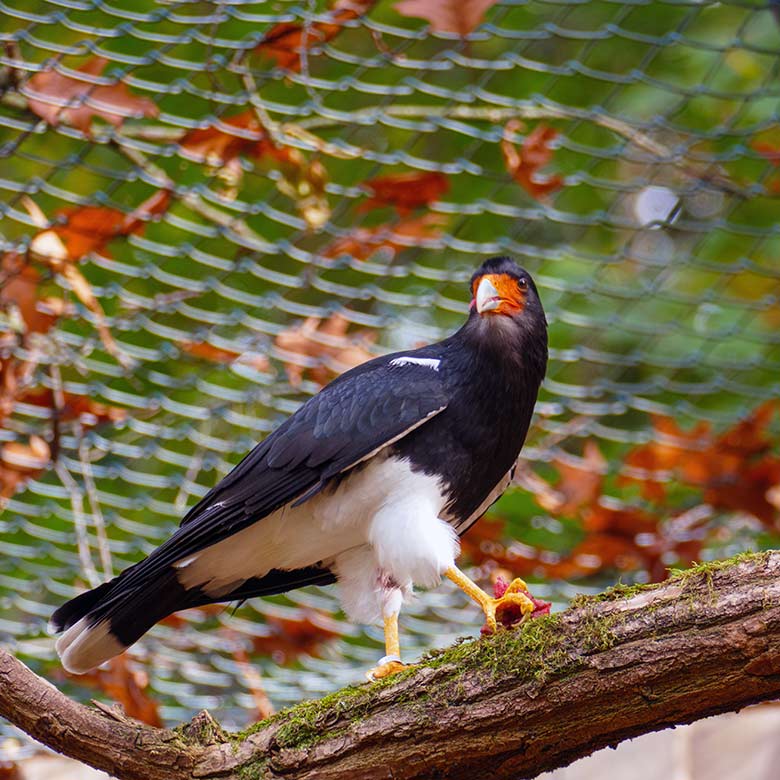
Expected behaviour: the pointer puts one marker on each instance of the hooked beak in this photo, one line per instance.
(487, 297)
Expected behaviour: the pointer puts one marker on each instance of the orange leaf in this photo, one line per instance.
(523, 164)
(74, 407)
(126, 686)
(20, 462)
(323, 348)
(285, 42)
(453, 16)
(405, 191)
(19, 283)
(286, 639)
(362, 243)
(579, 485)
(225, 139)
(56, 97)
(80, 230)
(206, 351)
(770, 151)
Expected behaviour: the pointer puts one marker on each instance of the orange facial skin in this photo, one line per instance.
(510, 292)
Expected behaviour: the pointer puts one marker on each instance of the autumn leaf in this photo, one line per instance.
(223, 141)
(534, 153)
(449, 16)
(405, 191)
(58, 97)
(20, 462)
(126, 686)
(324, 349)
(286, 639)
(20, 288)
(74, 407)
(206, 351)
(362, 243)
(770, 151)
(579, 484)
(285, 43)
(81, 230)
(254, 683)
(735, 471)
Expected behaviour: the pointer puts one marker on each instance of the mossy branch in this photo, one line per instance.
(614, 666)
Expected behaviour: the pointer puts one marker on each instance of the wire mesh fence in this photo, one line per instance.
(211, 209)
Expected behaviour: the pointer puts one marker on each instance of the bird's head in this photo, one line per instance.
(501, 289)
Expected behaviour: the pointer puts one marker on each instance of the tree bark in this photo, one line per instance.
(630, 661)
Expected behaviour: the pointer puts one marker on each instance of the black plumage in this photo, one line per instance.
(457, 411)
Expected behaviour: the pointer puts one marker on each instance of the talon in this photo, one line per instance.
(387, 666)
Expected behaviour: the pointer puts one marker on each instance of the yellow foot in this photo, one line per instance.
(386, 666)
(515, 596)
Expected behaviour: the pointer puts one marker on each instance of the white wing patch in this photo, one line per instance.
(413, 361)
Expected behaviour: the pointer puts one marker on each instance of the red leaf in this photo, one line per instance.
(326, 344)
(534, 153)
(20, 462)
(453, 16)
(579, 485)
(206, 351)
(770, 151)
(285, 42)
(84, 229)
(47, 91)
(19, 286)
(405, 191)
(74, 407)
(286, 639)
(126, 686)
(225, 139)
(362, 243)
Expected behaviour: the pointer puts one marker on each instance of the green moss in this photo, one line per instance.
(615, 593)
(701, 572)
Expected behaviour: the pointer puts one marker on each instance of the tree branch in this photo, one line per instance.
(632, 660)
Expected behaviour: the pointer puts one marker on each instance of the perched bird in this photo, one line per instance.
(369, 484)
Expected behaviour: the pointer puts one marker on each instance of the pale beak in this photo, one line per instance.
(487, 297)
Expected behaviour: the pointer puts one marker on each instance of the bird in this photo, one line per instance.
(369, 485)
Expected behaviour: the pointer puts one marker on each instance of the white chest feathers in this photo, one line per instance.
(385, 508)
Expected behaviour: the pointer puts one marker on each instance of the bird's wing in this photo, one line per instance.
(352, 418)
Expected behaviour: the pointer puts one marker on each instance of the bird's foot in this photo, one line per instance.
(390, 664)
(515, 598)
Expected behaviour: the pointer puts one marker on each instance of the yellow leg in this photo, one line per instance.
(515, 594)
(391, 663)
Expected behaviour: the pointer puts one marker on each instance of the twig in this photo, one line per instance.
(104, 549)
(76, 498)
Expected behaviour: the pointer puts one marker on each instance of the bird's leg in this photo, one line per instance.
(516, 594)
(392, 598)
(391, 663)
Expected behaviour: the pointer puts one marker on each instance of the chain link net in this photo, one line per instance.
(265, 275)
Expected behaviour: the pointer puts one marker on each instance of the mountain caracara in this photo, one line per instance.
(369, 484)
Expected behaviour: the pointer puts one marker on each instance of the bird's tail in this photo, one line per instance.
(105, 621)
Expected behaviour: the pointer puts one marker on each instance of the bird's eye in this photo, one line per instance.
(522, 284)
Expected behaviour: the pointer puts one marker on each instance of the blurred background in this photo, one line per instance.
(210, 209)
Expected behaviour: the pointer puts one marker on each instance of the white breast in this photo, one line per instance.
(383, 504)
